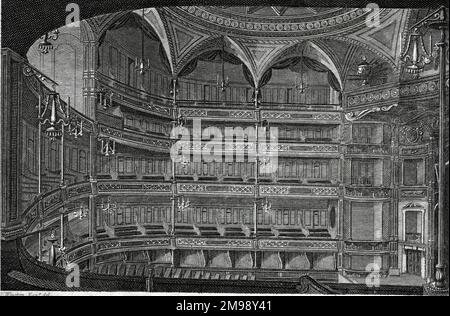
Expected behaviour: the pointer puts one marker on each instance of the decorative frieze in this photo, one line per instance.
(414, 193)
(214, 243)
(313, 24)
(393, 93)
(301, 116)
(367, 246)
(303, 191)
(157, 243)
(79, 190)
(368, 149)
(79, 253)
(414, 151)
(153, 142)
(298, 245)
(369, 193)
(114, 187)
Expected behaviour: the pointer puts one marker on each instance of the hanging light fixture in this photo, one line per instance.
(54, 105)
(300, 83)
(223, 82)
(416, 55)
(142, 65)
(45, 46)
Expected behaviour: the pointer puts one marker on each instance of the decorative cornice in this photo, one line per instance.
(304, 245)
(314, 25)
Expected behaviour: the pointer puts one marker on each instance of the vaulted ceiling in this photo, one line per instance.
(260, 36)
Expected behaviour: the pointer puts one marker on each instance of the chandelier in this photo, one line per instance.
(45, 46)
(223, 82)
(53, 104)
(300, 82)
(142, 65)
(416, 55)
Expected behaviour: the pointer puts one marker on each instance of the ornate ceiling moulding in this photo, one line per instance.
(226, 21)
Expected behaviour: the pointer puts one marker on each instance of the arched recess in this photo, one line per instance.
(199, 72)
(213, 44)
(102, 24)
(310, 50)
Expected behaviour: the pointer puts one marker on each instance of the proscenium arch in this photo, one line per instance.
(313, 51)
(211, 45)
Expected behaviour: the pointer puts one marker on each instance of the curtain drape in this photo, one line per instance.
(212, 56)
(293, 65)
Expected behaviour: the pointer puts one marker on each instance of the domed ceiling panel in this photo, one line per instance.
(386, 37)
(261, 53)
(260, 34)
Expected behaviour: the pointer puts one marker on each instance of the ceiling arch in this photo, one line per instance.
(153, 18)
(217, 43)
(99, 25)
(310, 49)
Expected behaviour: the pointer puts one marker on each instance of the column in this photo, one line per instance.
(11, 144)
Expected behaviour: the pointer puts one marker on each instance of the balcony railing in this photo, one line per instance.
(364, 181)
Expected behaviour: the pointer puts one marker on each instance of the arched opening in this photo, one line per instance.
(301, 75)
(201, 78)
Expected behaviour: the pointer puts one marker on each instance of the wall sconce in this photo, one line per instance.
(82, 212)
(257, 98)
(267, 206)
(181, 121)
(364, 70)
(76, 127)
(45, 46)
(108, 207)
(183, 203)
(104, 98)
(108, 147)
(174, 88)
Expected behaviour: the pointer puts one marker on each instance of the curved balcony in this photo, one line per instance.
(143, 101)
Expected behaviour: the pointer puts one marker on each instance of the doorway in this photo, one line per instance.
(414, 262)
